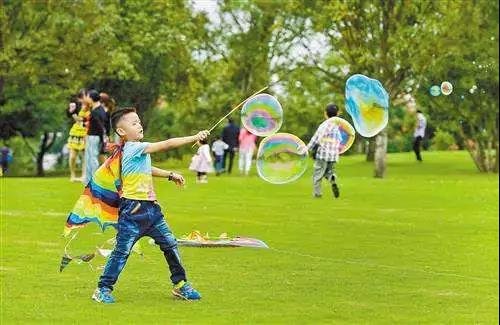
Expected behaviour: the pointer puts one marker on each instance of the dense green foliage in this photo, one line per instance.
(429, 256)
(183, 68)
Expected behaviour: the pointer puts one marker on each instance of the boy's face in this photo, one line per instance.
(130, 127)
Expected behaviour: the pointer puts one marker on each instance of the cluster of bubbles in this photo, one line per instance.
(446, 89)
(282, 157)
(473, 89)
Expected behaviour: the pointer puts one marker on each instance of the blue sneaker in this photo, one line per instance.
(185, 291)
(103, 295)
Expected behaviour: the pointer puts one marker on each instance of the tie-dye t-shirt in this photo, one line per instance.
(137, 180)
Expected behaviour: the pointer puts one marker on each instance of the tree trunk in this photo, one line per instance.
(370, 152)
(484, 160)
(495, 144)
(48, 140)
(380, 154)
(471, 149)
(480, 156)
(359, 145)
(495, 147)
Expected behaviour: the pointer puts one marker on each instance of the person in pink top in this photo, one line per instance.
(247, 147)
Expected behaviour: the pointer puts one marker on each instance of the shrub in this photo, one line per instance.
(442, 141)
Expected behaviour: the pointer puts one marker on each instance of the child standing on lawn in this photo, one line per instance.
(139, 213)
(202, 162)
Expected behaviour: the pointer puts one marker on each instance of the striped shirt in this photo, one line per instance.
(327, 137)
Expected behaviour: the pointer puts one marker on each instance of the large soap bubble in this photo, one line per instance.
(262, 115)
(368, 104)
(339, 132)
(281, 158)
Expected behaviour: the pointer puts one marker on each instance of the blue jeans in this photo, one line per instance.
(138, 219)
(218, 163)
(92, 149)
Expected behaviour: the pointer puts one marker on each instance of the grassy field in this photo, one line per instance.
(420, 246)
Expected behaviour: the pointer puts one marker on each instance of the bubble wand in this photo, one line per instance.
(235, 108)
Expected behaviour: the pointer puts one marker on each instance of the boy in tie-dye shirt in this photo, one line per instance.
(139, 213)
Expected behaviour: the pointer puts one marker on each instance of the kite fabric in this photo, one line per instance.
(100, 198)
(98, 204)
(196, 239)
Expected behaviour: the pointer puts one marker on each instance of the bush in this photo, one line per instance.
(23, 163)
(442, 141)
(399, 143)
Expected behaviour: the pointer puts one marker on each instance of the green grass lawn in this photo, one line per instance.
(420, 246)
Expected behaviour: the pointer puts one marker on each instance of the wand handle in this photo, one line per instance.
(235, 108)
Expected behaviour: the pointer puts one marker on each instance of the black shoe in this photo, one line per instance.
(317, 196)
(335, 190)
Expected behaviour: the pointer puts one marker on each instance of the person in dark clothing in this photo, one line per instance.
(5, 159)
(95, 135)
(419, 134)
(108, 104)
(230, 135)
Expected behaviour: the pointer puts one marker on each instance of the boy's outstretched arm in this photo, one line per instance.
(175, 142)
(171, 176)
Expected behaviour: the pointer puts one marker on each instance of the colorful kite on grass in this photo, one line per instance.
(98, 204)
(100, 198)
(196, 239)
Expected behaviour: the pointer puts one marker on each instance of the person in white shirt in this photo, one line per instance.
(419, 134)
(218, 147)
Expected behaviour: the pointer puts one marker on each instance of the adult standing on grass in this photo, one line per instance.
(246, 149)
(325, 153)
(418, 134)
(230, 135)
(95, 135)
(80, 113)
(139, 212)
(109, 105)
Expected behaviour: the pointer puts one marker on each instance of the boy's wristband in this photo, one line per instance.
(170, 176)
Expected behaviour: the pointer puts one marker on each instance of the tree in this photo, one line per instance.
(133, 50)
(383, 40)
(468, 58)
(48, 52)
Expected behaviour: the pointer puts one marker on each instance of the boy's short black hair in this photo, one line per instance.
(117, 115)
(204, 141)
(419, 111)
(94, 95)
(331, 110)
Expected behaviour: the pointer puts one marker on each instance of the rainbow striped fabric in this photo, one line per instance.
(100, 198)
